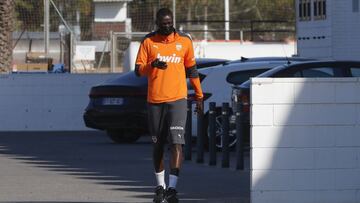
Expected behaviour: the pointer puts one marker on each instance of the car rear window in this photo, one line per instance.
(239, 77)
(355, 72)
(318, 72)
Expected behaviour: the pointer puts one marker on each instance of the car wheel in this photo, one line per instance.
(219, 131)
(123, 136)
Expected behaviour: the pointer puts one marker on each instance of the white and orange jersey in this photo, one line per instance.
(178, 53)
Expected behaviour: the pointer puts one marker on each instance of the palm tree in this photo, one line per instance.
(6, 27)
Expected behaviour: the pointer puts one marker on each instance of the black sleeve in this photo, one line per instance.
(137, 73)
(192, 72)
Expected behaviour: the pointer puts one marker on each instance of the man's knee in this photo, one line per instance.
(158, 148)
(176, 148)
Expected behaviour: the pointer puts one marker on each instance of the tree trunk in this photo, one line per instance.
(6, 28)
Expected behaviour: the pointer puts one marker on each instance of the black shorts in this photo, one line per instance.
(167, 121)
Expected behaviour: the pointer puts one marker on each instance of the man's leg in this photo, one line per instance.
(175, 164)
(156, 114)
(158, 161)
(177, 119)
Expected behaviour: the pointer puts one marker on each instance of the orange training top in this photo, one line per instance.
(170, 84)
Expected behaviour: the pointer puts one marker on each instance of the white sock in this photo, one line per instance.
(172, 181)
(160, 178)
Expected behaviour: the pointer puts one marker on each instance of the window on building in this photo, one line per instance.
(319, 9)
(304, 10)
(355, 5)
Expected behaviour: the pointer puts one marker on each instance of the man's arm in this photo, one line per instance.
(195, 83)
(142, 67)
(191, 71)
(193, 76)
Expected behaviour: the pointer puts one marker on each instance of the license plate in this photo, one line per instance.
(112, 101)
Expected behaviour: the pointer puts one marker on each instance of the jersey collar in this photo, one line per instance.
(168, 39)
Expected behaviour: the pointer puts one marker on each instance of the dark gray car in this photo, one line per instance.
(314, 69)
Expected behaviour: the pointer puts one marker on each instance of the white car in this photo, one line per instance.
(216, 83)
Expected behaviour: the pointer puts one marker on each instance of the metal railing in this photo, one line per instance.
(211, 133)
(245, 30)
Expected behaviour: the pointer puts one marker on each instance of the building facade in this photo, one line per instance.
(328, 29)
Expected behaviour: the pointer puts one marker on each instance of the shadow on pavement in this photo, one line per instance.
(127, 167)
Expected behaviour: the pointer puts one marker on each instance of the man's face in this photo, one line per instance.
(165, 25)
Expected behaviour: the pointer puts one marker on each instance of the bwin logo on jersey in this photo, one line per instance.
(170, 59)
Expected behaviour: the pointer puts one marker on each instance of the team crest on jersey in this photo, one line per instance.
(154, 139)
(178, 46)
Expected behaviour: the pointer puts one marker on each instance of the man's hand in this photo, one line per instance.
(159, 64)
(199, 105)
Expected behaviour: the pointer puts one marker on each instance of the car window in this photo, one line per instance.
(315, 72)
(355, 71)
(297, 74)
(239, 77)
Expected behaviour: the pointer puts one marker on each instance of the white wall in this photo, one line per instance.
(222, 50)
(305, 144)
(110, 12)
(235, 50)
(45, 102)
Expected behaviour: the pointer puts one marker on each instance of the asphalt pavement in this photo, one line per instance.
(88, 167)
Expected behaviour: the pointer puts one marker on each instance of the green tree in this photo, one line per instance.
(29, 15)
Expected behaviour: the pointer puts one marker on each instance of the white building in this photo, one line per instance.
(328, 29)
(110, 15)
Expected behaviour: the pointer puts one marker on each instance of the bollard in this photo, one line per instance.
(225, 135)
(200, 137)
(212, 133)
(188, 136)
(239, 138)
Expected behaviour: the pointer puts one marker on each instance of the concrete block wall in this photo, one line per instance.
(45, 102)
(305, 140)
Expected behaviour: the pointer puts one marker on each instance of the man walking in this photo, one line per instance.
(166, 57)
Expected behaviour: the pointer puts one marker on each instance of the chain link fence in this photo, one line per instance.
(94, 36)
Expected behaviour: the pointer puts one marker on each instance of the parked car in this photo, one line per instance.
(316, 69)
(118, 106)
(271, 58)
(216, 83)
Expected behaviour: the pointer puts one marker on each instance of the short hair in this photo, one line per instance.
(164, 12)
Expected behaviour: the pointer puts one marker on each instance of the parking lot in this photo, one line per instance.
(88, 167)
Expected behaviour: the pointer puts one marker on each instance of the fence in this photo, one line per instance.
(208, 137)
(244, 30)
(95, 27)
